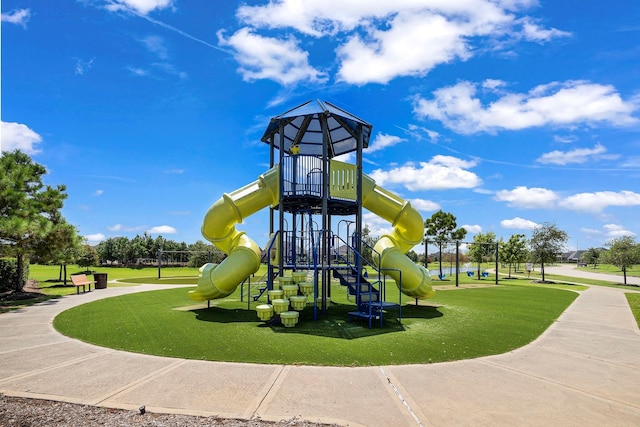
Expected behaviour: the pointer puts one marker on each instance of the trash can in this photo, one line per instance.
(101, 280)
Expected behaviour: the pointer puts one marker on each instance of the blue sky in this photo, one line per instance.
(506, 113)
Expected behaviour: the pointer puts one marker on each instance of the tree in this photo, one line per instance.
(442, 228)
(368, 242)
(60, 246)
(514, 250)
(412, 255)
(624, 253)
(27, 206)
(483, 246)
(88, 257)
(546, 244)
(591, 256)
(201, 253)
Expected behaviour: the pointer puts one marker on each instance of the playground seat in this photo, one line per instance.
(442, 276)
(485, 274)
(470, 273)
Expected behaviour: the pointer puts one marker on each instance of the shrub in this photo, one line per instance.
(9, 274)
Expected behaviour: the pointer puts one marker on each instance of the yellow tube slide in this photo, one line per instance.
(220, 280)
(407, 232)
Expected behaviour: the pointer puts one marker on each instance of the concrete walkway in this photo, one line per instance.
(583, 371)
(572, 271)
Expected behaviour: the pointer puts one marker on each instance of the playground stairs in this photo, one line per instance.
(368, 301)
(263, 285)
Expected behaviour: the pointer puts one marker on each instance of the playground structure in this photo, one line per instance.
(308, 189)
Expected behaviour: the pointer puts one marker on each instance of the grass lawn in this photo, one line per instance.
(47, 277)
(457, 324)
(633, 271)
(634, 303)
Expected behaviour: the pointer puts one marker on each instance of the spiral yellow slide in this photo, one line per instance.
(218, 281)
(408, 228)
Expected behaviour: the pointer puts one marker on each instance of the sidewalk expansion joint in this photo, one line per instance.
(143, 380)
(274, 380)
(53, 367)
(560, 384)
(402, 399)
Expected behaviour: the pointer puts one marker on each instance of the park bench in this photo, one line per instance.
(81, 280)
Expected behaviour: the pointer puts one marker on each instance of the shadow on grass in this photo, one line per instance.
(333, 324)
(16, 305)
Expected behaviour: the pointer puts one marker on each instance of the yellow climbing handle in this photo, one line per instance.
(218, 281)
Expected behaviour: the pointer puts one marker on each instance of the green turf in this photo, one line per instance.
(460, 324)
(634, 303)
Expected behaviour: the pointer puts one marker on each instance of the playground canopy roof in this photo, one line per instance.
(303, 128)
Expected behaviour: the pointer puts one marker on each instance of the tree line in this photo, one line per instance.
(143, 250)
(33, 227)
(546, 244)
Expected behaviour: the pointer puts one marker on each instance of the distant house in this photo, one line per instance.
(571, 256)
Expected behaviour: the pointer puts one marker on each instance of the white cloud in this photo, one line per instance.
(16, 136)
(613, 231)
(556, 104)
(579, 155)
(83, 66)
(17, 16)
(413, 44)
(141, 6)
(493, 84)
(631, 162)
(162, 229)
(565, 139)
(528, 198)
(425, 205)
(120, 227)
(98, 193)
(269, 58)
(596, 202)
(156, 45)
(542, 198)
(534, 33)
(440, 173)
(377, 226)
(96, 238)
(382, 141)
(518, 224)
(379, 41)
(138, 71)
(417, 132)
(175, 171)
(473, 229)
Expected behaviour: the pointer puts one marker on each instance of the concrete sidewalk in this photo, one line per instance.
(572, 271)
(584, 370)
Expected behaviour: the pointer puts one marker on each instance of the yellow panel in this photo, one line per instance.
(343, 180)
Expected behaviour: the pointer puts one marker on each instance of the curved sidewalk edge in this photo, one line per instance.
(583, 370)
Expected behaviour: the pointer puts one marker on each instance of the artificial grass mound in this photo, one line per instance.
(459, 324)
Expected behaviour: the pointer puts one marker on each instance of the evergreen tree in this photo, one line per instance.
(27, 206)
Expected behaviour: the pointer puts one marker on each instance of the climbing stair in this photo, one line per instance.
(368, 302)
